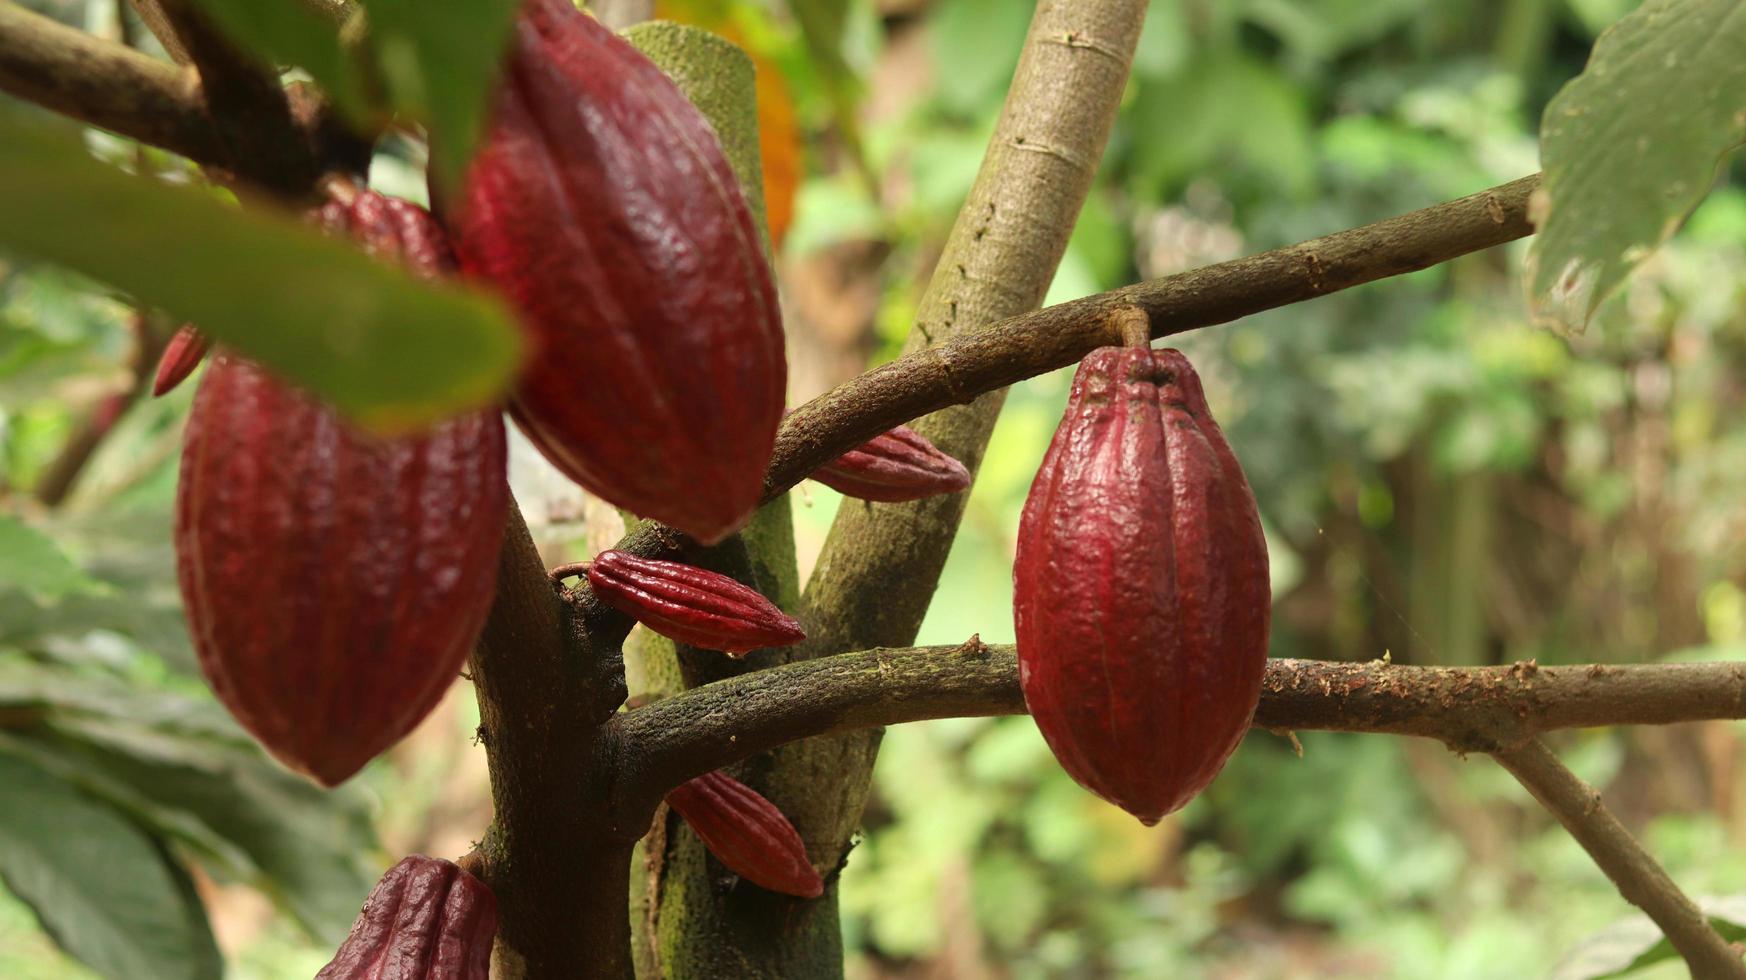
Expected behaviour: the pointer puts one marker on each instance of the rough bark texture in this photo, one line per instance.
(1470, 709)
(881, 562)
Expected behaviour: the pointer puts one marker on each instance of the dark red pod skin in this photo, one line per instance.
(426, 919)
(186, 349)
(692, 605)
(333, 581)
(1141, 593)
(601, 204)
(893, 467)
(747, 834)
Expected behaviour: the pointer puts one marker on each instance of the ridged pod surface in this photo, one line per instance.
(893, 467)
(747, 834)
(1141, 596)
(425, 920)
(184, 352)
(692, 605)
(601, 204)
(333, 581)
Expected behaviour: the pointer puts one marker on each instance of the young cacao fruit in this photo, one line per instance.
(893, 467)
(333, 581)
(184, 352)
(601, 204)
(1141, 596)
(425, 920)
(747, 834)
(692, 605)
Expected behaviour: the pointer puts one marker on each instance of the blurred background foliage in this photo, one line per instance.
(1441, 483)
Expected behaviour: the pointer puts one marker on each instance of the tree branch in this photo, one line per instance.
(1035, 343)
(1639, 878)
(104, 84)
(1471, 709)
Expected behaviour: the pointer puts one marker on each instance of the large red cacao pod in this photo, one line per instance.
(601, 204)
(893, 467)
(1141, 595)
(425, 920)
(334, 581)
(692, 605)
(747, 834)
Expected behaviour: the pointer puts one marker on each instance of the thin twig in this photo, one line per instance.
(1471, 709)
(1640, 879)
(104, 84)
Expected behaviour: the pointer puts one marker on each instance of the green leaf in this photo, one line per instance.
(182, 768)
(439, 65)
(1634, 943)
(293, 33)
(1630, 147)
(30, 560)
(100, 886)
(387, 349)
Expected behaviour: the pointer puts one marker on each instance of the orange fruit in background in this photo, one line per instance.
(778, 132)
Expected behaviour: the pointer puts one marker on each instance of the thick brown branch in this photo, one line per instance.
(1473, 709)
(1035, 343)
(1639, 878)
(104, 84)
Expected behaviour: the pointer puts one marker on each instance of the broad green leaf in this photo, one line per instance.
(385, 348)
(287, 32)
(1634, 942)
(31, 561)
(100, 886)
(439, 64)
(1630, 146)
(182, 768)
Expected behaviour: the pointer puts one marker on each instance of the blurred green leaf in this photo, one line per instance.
(1224, 107)
(183, 768)
(389, 350)
(439, 63)
(1630, 147)
(286, 32)
(30, 560)
(101, 887)
(1634, 943)
(976, 46)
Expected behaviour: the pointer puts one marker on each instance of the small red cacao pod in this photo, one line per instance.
(601, 204)
(334, 581)
(747, 834)
(184, 352)
(893, 467)
(692, 605)
(425, 920)
(1141, 596)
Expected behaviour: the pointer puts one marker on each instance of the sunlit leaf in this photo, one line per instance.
(1634, 943)
(31, 561)
(389, 350)
(1630, 147)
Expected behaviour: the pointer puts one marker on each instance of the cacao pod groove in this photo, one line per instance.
(184, 352)
(600, 203)
(333, 581)
(893, 467)
(1141, 594)
(747, 834)
(692, 605)
(426, 919)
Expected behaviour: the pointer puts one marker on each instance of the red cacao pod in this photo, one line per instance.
(425, 920)
(747, 834)
(601, 204)
(692, 605)
(1141, 596)
(184, 352)
(333, 581)
(893, 467)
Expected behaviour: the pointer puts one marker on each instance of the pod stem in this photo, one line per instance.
(1132, 326)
